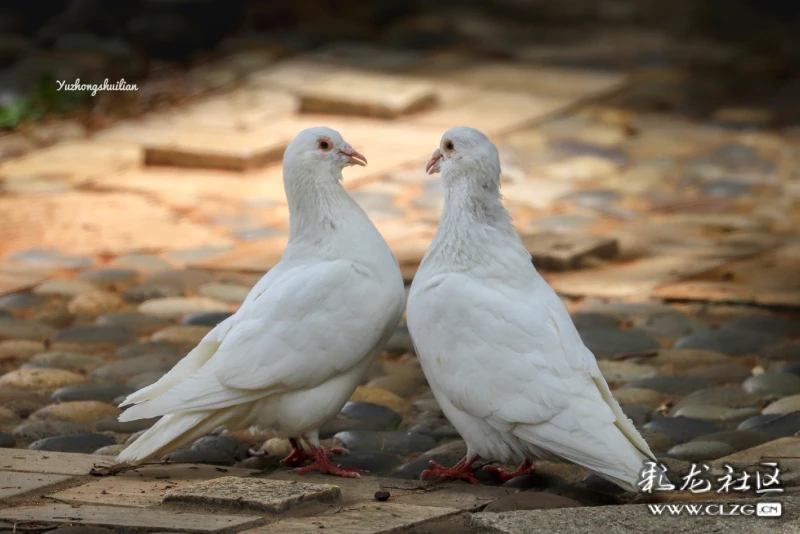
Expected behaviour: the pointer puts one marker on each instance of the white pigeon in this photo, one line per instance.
(497, 345)
(304, 337)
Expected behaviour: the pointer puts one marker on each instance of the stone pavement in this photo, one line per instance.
(673, 241)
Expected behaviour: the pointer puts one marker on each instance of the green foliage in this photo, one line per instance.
(45, 99)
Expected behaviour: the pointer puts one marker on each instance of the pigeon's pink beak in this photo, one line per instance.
(353, 157)
(433, 165)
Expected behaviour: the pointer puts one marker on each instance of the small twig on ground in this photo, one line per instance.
(113, 470)
(73, 504)
(633, 355)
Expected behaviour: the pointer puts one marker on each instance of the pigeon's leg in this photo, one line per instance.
(321, 461)
(462, 469)
(299, 454)
(525, 468)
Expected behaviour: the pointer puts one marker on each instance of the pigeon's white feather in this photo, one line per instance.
(302, 340)
(497, 345)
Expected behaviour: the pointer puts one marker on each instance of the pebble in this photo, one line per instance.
(787, 351)
(438, 428)
(223, 444)
(110, 450)
(723, 373)
(150, 290)
(773, 425)
(671, 385)
(181, 335)
(668, 325)
(738, 439)
(401, 443)
(40, 379)
(36, 430)
(772, 385)
(784, 406)
(113, 424)
(373, 416)
(90, 392)
(728, 341)
(6, 440)
(588, 320)
(715, 414)
(625, 310)
(765, 323)
(376, 463)
(729, 397)
(109, 275)
(401, 385)
(792, 369)
(57, 319)
(123, 369)
(142, 380)
(141, 263)
(231, 293)
(177, 307)
(379, 396)
(22, 403)
(530, 500)
(688, 358)
(149, 348)
(700, 451)
(78, 443)
(631, 395)
(639, 413)
(94, 303)
(76, 412)
(658, 441)
(135, 321)
(8, 418)
(95, 335)
(681, 429)
(64, 288)
(69, 361)
(12, 328)
(625, 371)
(610, 342)
(400, 342)
(19, 349)
(21, 301)
(211, 319)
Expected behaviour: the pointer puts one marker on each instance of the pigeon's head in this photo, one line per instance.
(465, 152)
(322, 148)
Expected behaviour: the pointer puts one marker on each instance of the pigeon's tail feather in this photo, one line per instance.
(171, 432)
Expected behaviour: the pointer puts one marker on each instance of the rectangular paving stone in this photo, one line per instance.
(129, 518)
(90, 222)
(404, 492)
(236, 151)
(571, 83)
(261, 494)
(145, 486)
(367, 56)
(367, 95)
(562, 252)
(61, 463)
(494, 112)
(242, 110)
(13, 483)
(361, 518)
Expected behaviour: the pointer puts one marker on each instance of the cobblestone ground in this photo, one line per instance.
(664, 212)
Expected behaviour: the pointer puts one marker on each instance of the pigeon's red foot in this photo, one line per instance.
(525, 468)
(300, 455)
(462, 470)
(323, 464)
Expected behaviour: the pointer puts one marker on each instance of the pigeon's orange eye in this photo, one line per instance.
(449, 146)
(324, 144)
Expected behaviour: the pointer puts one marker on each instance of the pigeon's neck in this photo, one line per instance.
(475, 228)
(319, 207)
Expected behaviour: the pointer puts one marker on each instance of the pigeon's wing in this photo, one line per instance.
(310, 325)
(513, 357)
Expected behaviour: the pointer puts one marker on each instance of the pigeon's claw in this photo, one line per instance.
(300, 455)
(525, 468)
(323, 464)
(462, 470)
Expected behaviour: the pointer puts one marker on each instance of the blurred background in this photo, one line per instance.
(651, 163)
